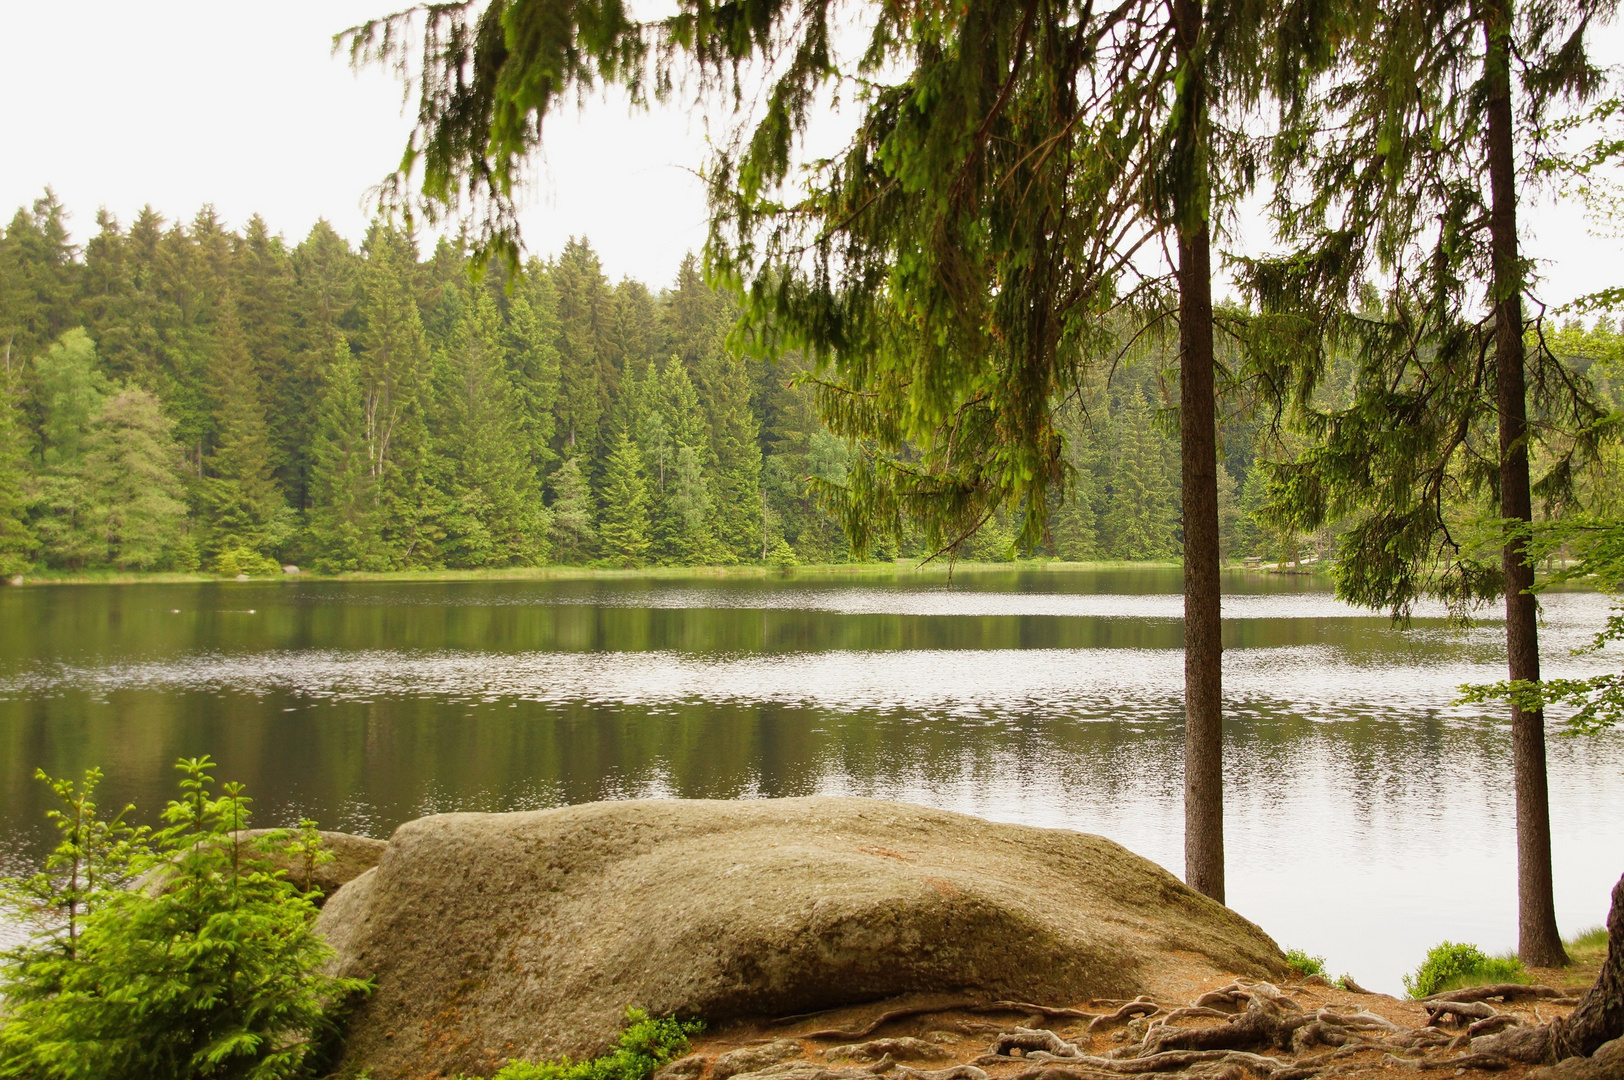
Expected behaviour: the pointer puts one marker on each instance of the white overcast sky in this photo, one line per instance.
(178, 104)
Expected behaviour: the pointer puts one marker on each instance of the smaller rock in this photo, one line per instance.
(14, 579)
(291, 569)
(242, 577)
(906, 1049)
(684, 1068)
(1316, 980)
(751, 1059)
(943, 1036)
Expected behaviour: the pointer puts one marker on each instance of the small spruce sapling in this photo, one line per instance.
(214, 971)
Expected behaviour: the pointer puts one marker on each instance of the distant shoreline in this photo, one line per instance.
(749, 571)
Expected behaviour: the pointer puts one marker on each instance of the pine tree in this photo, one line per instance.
(574, 535)
(136, 497)
(623, 527)
(343, 525)
(240, 498)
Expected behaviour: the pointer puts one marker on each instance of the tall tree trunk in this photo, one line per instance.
(1538, 943)
(1198, 446)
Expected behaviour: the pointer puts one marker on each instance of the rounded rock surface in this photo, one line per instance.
(527, 935)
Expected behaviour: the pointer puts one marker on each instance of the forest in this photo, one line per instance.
(181, 396)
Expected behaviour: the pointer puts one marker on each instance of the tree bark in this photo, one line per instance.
(1198, 446)
(1203, 643)
(1599, 1016)
(1538, 943)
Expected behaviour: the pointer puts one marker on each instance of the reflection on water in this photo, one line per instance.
(1367, 817)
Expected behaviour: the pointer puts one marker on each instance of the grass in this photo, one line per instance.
(573, 573)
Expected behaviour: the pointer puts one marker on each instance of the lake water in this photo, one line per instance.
(1367, 817)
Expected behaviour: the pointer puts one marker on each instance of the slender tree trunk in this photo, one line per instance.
(1538, 943)
(1203, 646)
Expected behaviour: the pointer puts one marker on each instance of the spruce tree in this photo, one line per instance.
(69, 389)
(532, 361)
(623, 523)
(135, 491)
(240, 498)
(574, 533)
(1405, 168)
(393, 361)
(1138, 517)
(17, 540)
(735, 461)
(583, 299)
(343, 523)
(495, 515)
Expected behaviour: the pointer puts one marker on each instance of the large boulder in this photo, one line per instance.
(496, 936)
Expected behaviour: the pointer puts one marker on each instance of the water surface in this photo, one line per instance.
(1367, 816)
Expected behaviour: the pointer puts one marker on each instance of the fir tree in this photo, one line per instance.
(136, 497)
(623, 527)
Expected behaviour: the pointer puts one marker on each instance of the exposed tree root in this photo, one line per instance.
(1464, 1012)
(1139, 1006)
(966, 1004)
(955, 1072)
(1507, 992)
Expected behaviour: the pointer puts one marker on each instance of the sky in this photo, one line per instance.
(179, 103)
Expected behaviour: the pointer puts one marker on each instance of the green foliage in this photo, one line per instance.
(1449, 965)
(70, 387)
(134, 492)
(642, 1049)
(17, 539)
(1302, 964)
(209, 969)
(623, 523)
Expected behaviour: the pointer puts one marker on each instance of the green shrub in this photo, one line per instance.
(1449, 965)
(208, 968)
(1301, 964)
(642, 1048)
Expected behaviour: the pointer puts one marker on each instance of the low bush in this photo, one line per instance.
(642, 1048)
(1301, 964)
(1449, 965)
(181, 954)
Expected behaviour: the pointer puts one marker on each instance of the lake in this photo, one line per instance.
(1367, 817)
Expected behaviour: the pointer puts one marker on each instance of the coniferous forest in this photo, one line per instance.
(183, 396)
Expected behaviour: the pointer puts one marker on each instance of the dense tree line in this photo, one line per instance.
(182, 396)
